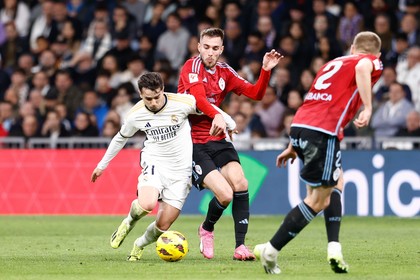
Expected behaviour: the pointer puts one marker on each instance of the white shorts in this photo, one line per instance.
(171, 191)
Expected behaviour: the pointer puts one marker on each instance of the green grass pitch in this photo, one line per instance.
(73, 247)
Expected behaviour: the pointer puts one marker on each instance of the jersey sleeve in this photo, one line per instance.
(189, 76)
(128, 129)
(242, 86)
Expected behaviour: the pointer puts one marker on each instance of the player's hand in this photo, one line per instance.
(95, 174)
(287, 154)
(271, 59)
(363, 119)
(218, 126)
(231, 132)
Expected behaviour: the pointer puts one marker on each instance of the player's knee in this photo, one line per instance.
(240, 185)
(148, 206)
(225, 197)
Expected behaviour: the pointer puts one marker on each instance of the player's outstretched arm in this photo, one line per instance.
(288, 153)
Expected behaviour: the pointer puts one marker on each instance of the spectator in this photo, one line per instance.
(398, 51)
(104, 88)
(172, 44)
(294, 99)
(350, 24)
(391, 115)
(382, 27)
(17, 12)
(409, 26)
(270, 110)
(70, 37)
(7, 116)
(234, 43)
(287, 122)
(136, 9)
(121, 50)
(408, 72)
(64, 91)
(242, 139)
(412, 128)
(123, 23)
(110, 129)
(97, 43)
(38, 102)
(122, 101)
(60, 17)
(135, 69)
(52, 127)
(110, 64)
(146, 51)
(13, 47)
(155, 26)
(47, 62)
(188, 17)
(381, 88)
(247, 108)
(61, 109)
(93, 105)
(19, 85)
(43, 25)
(84, 126)
(40, 82)
(29, 128)
(255, 48)
(281, 83)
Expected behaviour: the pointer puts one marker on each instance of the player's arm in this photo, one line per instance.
(218, 125)
(364, 70)
(117, 143)
(257, 91)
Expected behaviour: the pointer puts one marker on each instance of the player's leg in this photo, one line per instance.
(215, 182)
(297, 219)
(332, 215)
(234, 174)
(136, 213)
(206, 173)
(167, 214)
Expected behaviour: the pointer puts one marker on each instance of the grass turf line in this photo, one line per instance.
(73, 247)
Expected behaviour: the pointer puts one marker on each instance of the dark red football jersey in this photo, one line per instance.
(334, 99)
(218, 82)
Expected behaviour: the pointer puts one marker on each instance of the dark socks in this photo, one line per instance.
(293, 223)
(240, 213)
(214, 213)
(332, 215)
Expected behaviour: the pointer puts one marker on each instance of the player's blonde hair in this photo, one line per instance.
(367, 42)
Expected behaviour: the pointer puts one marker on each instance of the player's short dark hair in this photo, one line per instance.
(151, 80)
(213, 32)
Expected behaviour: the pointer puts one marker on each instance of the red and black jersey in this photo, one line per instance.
(217, 83)
(334, 99)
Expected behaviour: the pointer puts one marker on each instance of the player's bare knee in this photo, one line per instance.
(240, 185)
(148, 206)
(224, 197)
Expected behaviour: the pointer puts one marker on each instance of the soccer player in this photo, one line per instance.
(340, 87)
(216, 162)
(166, 159)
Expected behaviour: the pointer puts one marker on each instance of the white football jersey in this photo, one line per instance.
(168, 144)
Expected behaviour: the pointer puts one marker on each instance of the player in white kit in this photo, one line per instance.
(166, 159)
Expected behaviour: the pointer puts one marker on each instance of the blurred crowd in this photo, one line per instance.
(69, 68)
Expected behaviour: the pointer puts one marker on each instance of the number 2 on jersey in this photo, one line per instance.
(330, 69)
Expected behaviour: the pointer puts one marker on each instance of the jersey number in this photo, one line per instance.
(329, 70)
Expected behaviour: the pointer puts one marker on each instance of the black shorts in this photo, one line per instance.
(211, 156)
(321, 156)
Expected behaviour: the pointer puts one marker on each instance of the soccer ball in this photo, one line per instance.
(171, 246)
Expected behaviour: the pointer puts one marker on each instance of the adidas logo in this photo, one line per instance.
(244, 221)
(148, 125)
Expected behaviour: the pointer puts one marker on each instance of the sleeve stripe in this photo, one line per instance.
(123, 135)
(196, 65)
